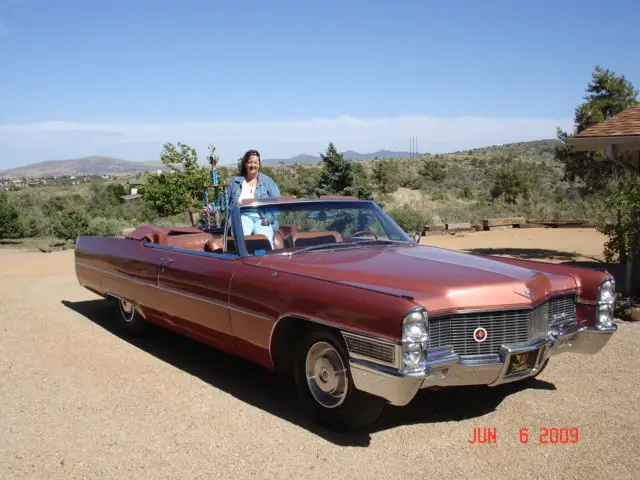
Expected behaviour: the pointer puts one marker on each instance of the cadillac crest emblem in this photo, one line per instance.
(525, 293)
(480, 334)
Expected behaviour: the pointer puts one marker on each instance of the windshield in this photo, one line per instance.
(308, 226)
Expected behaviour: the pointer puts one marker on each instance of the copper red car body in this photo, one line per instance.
(238, 303)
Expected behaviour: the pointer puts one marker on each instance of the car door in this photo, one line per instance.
(193, 288)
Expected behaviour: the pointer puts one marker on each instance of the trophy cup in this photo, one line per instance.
(218, 192)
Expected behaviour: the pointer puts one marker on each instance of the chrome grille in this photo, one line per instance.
(503, 327)
(370, 348)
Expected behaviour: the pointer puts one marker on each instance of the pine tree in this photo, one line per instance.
(607, 95)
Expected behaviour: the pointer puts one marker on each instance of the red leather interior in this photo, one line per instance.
(157, 234)
(278, 240)
(305, 239)
(288, 229)
(195, 241)
(254, 242)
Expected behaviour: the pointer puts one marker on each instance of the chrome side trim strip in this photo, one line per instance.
(173, 291)
(114, 274)
(247, 312)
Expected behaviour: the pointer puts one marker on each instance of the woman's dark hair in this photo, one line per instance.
(245, 159)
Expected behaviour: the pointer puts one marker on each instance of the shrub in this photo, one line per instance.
(70, 224)
(10, 224)
(101, 226)
(410, 219)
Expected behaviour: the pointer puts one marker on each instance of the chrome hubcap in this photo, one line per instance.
(326, 375)
(128, 311)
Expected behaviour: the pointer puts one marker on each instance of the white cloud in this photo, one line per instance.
(26, 143)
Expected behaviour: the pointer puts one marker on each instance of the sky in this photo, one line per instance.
(121, 77)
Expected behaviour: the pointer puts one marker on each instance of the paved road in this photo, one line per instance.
(78, 401)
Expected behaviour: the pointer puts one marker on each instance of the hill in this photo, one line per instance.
(304, 158)
(100, 165)
(96, 164)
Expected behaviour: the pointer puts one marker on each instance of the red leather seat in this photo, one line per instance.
(253, 242)
(191, 241)
(278, 240)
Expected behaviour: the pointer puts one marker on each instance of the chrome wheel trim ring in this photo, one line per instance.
(326, 375)
(127, 310)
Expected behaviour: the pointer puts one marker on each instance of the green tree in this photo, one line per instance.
(385, 176)
(71, 223)
(434, 170)
(336, 177)
(114, 192)
(340, 176)
(10, 224)
(624, 235)
(180, 189)
(607, 94)
(511, 183)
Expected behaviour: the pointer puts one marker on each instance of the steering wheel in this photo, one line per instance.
(359, 233)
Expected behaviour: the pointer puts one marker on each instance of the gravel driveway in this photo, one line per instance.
(78, 401)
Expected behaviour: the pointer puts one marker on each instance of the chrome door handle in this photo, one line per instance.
(166, 260)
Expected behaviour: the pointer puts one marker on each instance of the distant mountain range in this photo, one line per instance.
(349, 154)
(95, 164)
(100, 165)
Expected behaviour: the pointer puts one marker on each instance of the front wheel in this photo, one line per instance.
(325, 385)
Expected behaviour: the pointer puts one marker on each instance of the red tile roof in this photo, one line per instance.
(624, 123)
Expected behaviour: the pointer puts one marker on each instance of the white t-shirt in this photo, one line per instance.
(247, 191)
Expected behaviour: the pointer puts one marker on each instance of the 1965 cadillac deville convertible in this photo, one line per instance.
(342, 299)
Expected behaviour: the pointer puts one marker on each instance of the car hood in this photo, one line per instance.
(436, 278)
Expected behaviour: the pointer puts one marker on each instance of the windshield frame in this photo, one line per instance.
(236, 222)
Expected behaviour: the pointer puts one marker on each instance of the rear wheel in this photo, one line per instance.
(325, 385)
(130, 320)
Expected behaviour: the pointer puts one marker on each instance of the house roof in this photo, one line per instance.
(625, 123)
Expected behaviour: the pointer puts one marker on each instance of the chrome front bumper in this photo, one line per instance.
(445, 368)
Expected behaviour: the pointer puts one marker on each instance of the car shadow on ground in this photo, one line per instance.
(276, 394)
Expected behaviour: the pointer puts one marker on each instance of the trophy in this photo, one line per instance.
(218, 192)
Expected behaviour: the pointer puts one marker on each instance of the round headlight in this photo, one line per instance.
(606, 302)
(607, 292)
(414, 340)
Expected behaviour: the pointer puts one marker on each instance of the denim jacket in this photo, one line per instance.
(265, 187)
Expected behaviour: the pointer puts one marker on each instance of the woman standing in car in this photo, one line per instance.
(252, 184)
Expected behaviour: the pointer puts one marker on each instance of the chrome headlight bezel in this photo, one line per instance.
(606, 303)
(413, 340)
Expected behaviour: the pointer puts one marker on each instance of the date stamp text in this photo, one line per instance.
(542, 435)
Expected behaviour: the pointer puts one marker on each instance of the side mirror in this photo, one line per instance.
(416, 238)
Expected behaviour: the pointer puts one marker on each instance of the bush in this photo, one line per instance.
(70, 224)
(10, 224)
(624, 234)
(410, 219)
(101, 226)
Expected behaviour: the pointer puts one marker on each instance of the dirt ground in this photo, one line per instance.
(79, 401)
